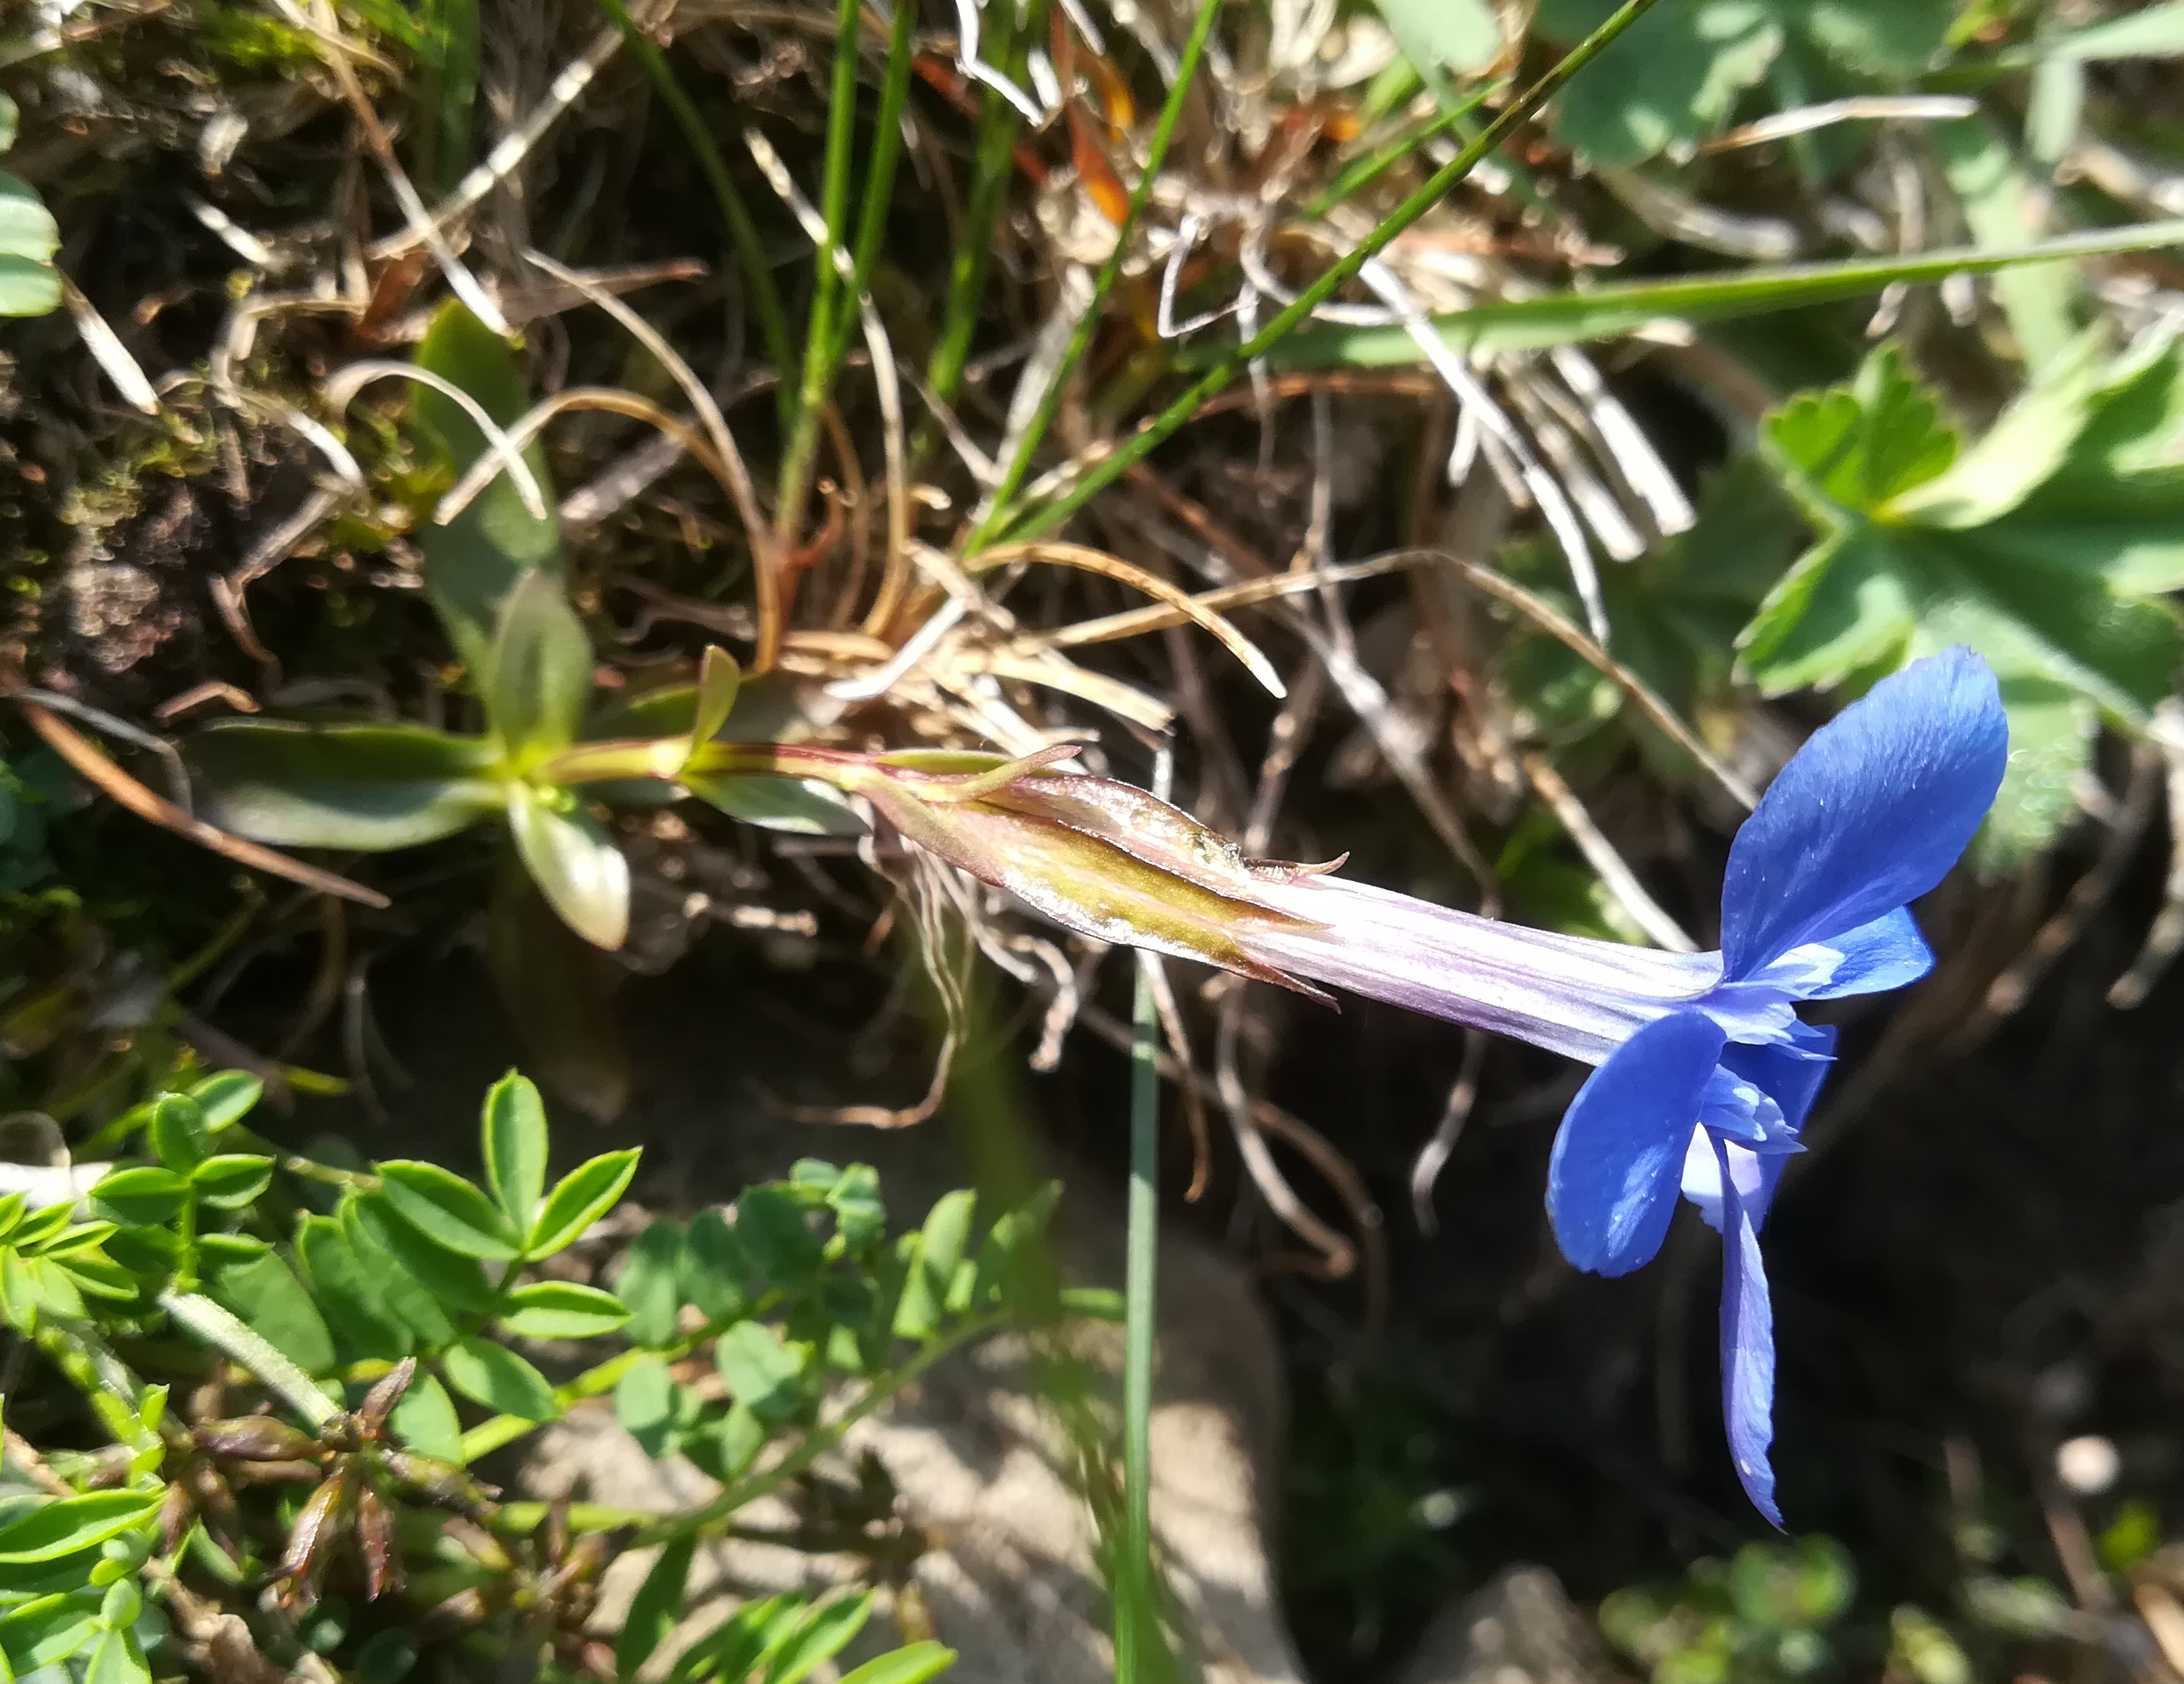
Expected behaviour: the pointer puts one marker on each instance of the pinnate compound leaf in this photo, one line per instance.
(369, 787)
(514, 1128)
(579, 1199)
(447, 1210)
(574, 861)
(2044, 546)
(492, 1375)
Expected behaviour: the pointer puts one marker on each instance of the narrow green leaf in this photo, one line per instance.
(579, 1199)
(823, 1635)
(347, 1292)
(2152, 32)
(421, 1275)
(265, 1294)
(574, 861)
(229, 1180)
(426, 1420)
(913, 1664)
(492, 1375)
(227, 1097)
(540, 679)
(147, 1195)
(70, 1524)
(1998, 201)
(718, 680)
(473, 562)
(447, 1208)
(938, 1250)
(561, 1309)
(30, 285)
(741, 1644)
(655, 1608)
(516, 1147)
(178, 1135)
(369, 787)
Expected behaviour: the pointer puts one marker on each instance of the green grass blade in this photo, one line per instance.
(879, 178)
(1080, 338)
(743, 232)
(1148, 437)
(1609, 312)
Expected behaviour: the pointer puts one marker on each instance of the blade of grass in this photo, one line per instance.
(1360, 173)
(743, 232)
(992, 158)
(803, 444)
(1036, 522)
(1141, 1655)
(1626, 307)
(1080, 337)
(879, 177)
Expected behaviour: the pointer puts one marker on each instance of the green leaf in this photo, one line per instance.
(46, 1632)
(426, 1420)
(938, 1250)
(579, 1199)
(655, 1608)
(473, 562)
(369, 787)
(1443, 37)
(347, 1292)
(70, 1524)
(1620, 307)
(495, 1376)
(561, 1309)
(644, 1403)
(713, 1268)
(447, 1208)
(796, 806)
(540, 679)
(266, 1295)
(719, 678)
(741, 1644)
(30, 285)
(515, 1145)
(913, 1664)
(1668, 79)
(2152, 32)
(145, 1196)
(761, 1372)
(1999, 201)
(229, 1180)
(860, 1214)
(2021, 546)
(178, 1135)
(651, 1284)
(116, 1659)
(574, 861)
(776, 1239)
(443, 1277)
(227, 1097)
(822, 1636)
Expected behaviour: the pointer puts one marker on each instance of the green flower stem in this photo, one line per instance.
(216, 1326)
(1080, 337)
(1036, 523)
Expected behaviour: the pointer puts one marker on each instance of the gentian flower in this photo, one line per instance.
(1704, 1071)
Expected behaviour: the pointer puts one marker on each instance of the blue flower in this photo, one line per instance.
(1705, 1072)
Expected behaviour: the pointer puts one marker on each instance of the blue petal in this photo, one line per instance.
(1748, 1351)
(1612, 1182)
(1791, 1076)
(1887, 954)
(1869, 815)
